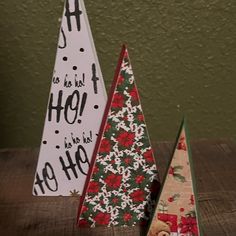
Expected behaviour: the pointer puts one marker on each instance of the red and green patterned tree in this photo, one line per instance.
(123, 183)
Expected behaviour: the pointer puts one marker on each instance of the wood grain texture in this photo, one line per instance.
(23, 214)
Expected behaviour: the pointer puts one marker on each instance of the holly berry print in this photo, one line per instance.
(174, 171)
(176, 212)
(123, 183)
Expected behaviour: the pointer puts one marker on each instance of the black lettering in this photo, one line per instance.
(64, 39)
(87, 139)
(48, 174)
(70, 166)
(56, 80)
(75, 140)
(81, 158)
(71, 107)
(94, 78)
(83, 102)
(69, 104)
(79, 83)
(68, 145)
(48, 178)
(57, 107)
(76, 13)
(81, 161)
(38, 182)
(67, 83)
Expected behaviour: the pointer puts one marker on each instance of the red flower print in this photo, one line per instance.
(182, 144)
(127, 216)
(95, 170)
(138, 195)
(140, 117)
(84, 209)
(113, 181)
(83, 223)
(102, 218)
(125, 118)
(181, 209)
(118, 100)
(171, 171)
(170, 219)
(105, 145)
(192, 200)
(174, 197)
(139, 179)
(120, 80)
(108, 126)
(93, 187)
(127, 160)
(170, 199)
(126, 139)
(115, 200)
(148, 156)
(133, 93)
(138, 150)
(188, 225)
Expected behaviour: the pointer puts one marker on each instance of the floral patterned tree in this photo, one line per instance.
(176, 212)
(122, 187)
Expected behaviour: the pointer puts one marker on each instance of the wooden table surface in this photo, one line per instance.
(23, 214)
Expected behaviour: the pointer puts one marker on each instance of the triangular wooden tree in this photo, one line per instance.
(75, 108)
(118, 189)
(176, 212)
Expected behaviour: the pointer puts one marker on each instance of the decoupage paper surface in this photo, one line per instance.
(119, 190)
(75, 108)
(176, 213)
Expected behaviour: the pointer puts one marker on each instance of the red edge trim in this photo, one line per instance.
(101, 131)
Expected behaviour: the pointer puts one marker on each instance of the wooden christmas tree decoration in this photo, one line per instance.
(176, 212)
(75, 109)
(118, 188)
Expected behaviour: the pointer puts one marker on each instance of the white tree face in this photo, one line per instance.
(75, 108)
